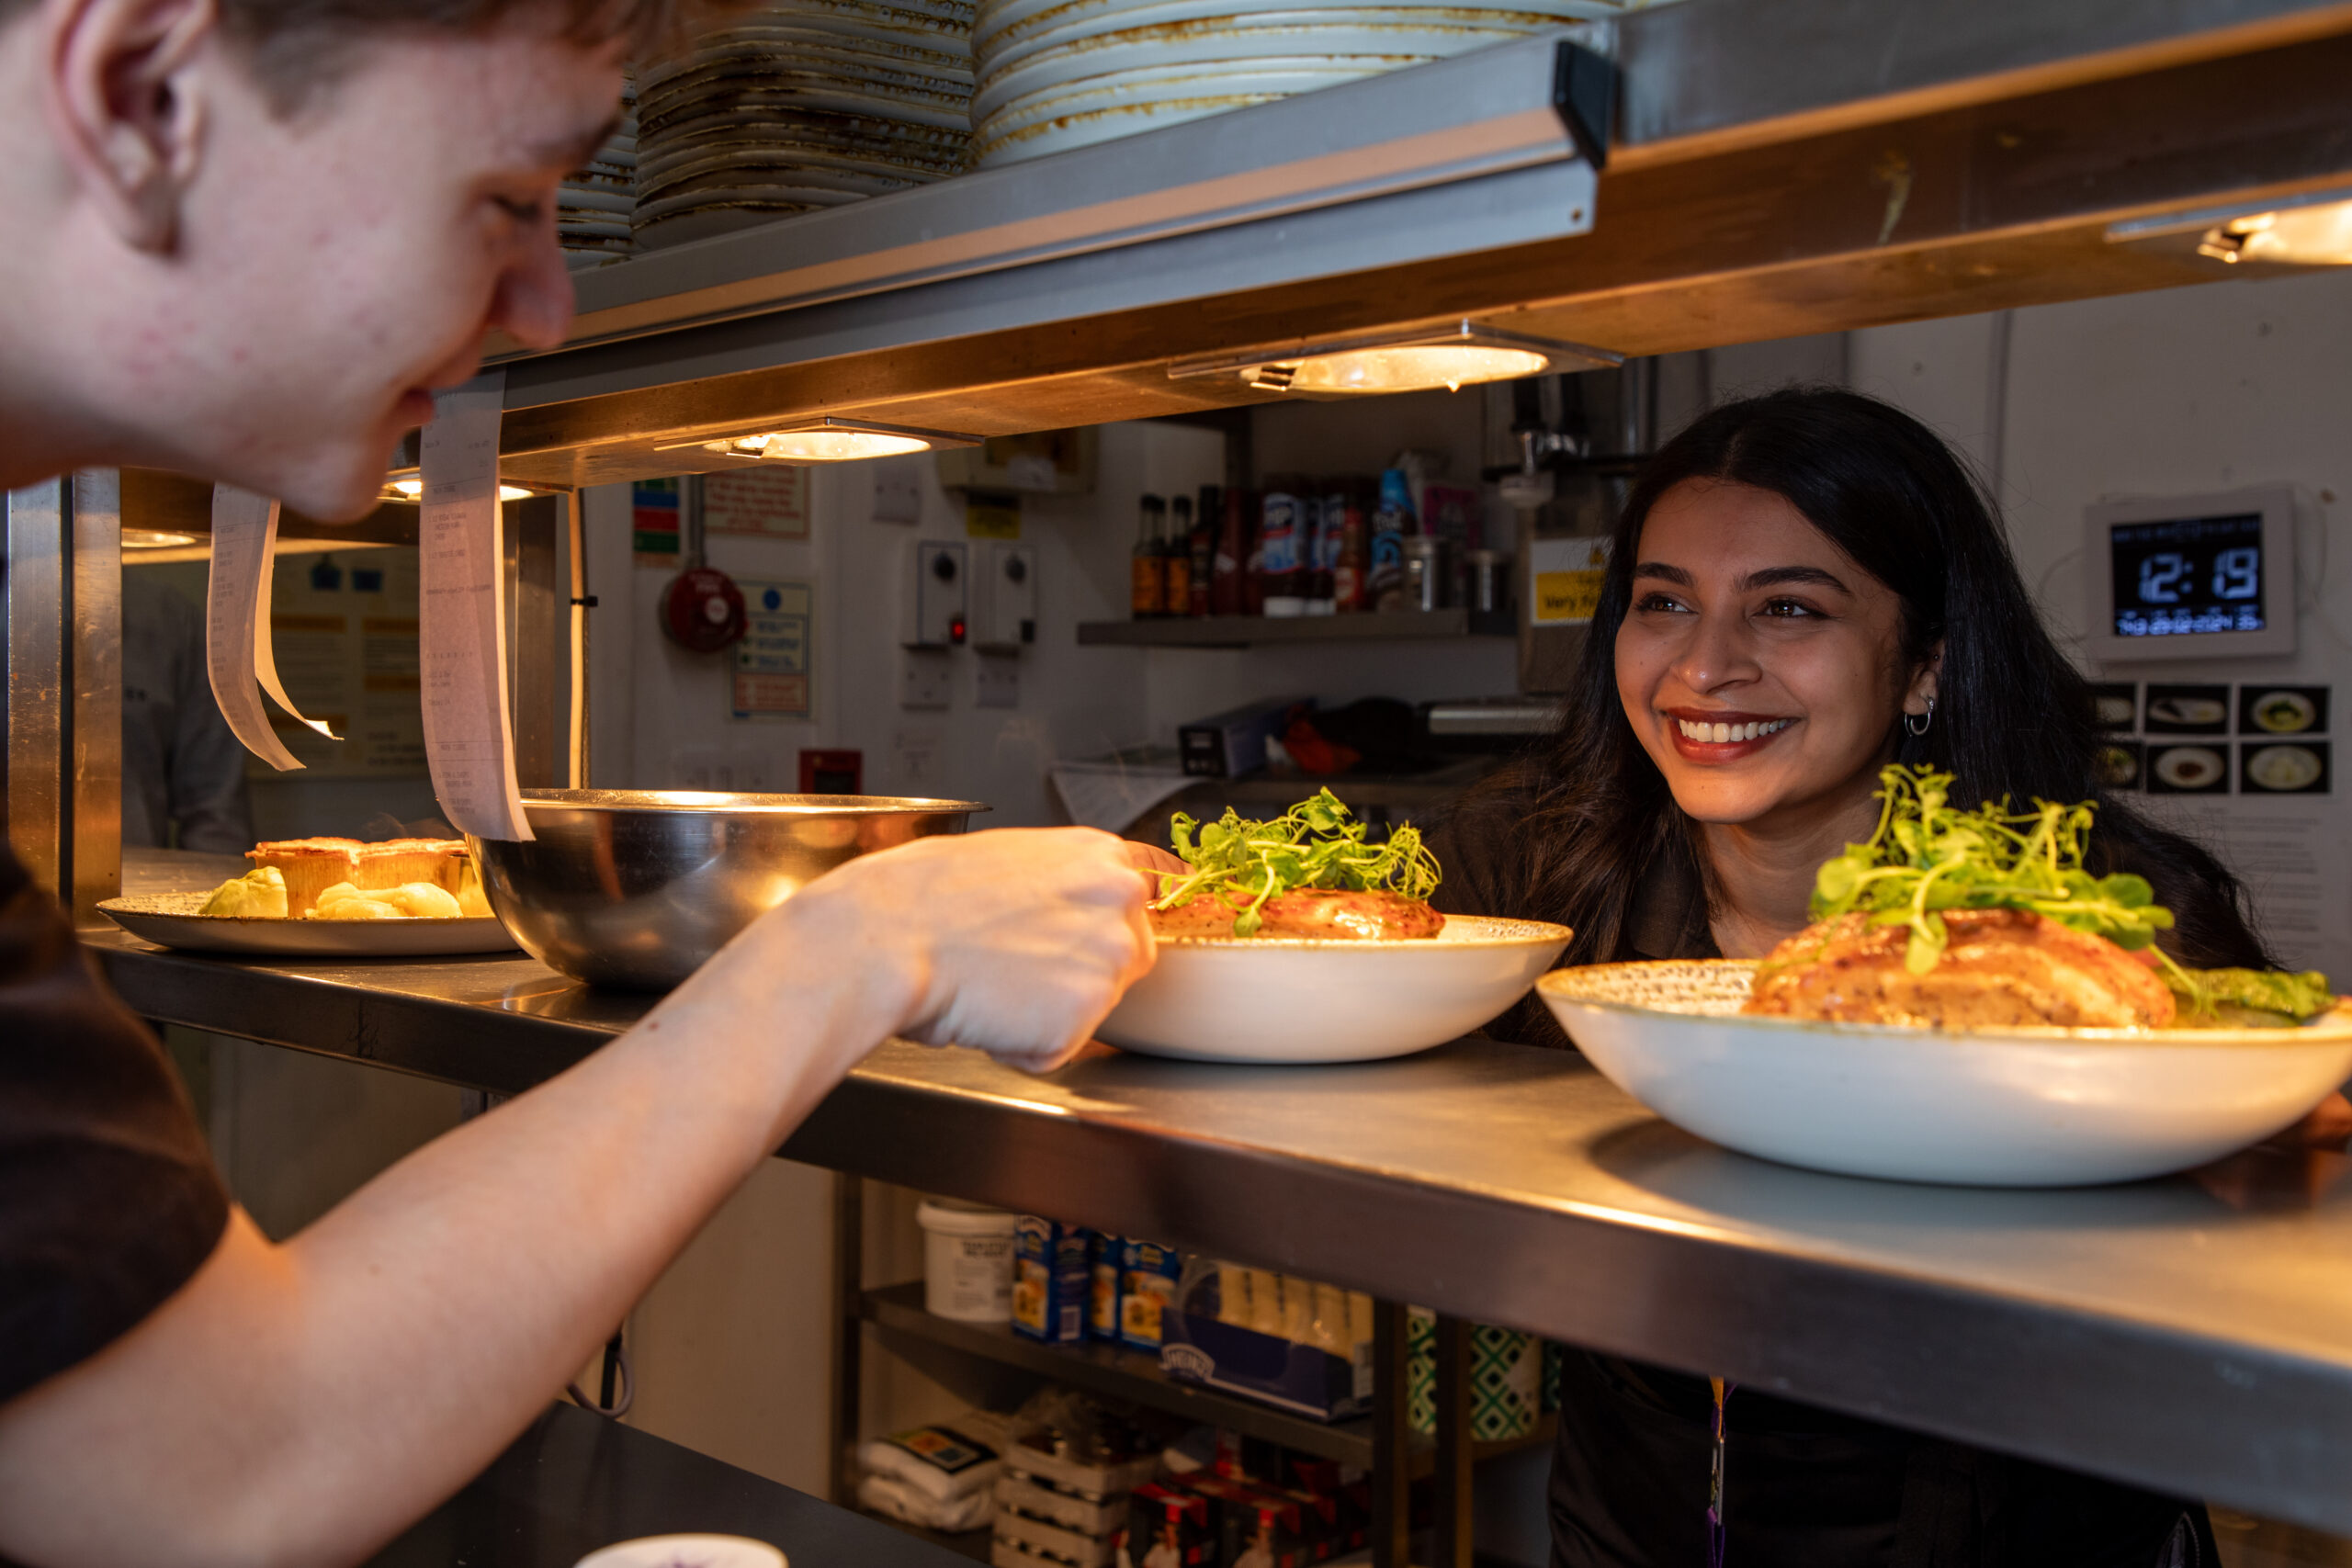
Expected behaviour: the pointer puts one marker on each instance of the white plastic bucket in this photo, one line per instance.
(967, 1260)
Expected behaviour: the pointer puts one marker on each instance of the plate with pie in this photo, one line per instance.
(327, 897)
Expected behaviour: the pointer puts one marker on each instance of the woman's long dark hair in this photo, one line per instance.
(1589, 815)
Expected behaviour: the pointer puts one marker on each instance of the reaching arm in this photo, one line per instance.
(302, 1402)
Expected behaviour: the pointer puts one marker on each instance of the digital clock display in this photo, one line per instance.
(2198, 574)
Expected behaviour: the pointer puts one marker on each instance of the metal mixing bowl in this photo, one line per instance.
(635, 889)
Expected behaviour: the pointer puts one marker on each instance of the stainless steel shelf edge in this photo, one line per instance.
(2183, 1336)
(1520, 206)
(1695, 71)
(1453, 119)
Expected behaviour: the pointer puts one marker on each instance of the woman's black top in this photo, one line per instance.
(1803, 1487)
(108, 1201)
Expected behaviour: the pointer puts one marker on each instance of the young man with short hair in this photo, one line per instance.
(248, 238)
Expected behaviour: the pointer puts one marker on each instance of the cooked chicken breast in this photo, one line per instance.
(1327, 917)
(2002, 967)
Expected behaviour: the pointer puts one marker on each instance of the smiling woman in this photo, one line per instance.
(1805, 587)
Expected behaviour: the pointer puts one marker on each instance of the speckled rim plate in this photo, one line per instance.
(1110, 52)
(170, 920)
(1714, 987)
(1024, 18)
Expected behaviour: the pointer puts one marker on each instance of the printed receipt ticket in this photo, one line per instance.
(468, 737)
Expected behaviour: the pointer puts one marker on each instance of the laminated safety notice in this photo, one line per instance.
(468, 737)
(237, 653)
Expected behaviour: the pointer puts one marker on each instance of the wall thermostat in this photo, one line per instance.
(2191, 577)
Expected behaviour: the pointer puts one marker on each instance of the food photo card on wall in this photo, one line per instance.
(2115, 705)
(2189, 769)
(2295, 767)
(2188, 710)
(2283, 710)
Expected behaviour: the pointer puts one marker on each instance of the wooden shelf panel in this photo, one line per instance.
(1269, 631)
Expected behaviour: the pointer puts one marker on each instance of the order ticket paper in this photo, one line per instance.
(237, 653)
(469, 738)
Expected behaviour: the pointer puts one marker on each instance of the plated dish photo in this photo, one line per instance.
(1970, 1006)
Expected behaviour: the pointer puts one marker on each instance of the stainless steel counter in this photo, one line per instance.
(2193, 1333)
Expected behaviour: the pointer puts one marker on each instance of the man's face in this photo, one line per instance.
(338, 266)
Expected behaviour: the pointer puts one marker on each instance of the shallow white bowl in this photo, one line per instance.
(686, 1551)
(1278, 1000)
(2017, 1108)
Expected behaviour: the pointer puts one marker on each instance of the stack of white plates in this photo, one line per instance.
(1055, 74)
(800, 106)
(592, 209)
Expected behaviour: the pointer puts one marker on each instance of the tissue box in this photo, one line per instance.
(1203, 1343)
(1052, 1280)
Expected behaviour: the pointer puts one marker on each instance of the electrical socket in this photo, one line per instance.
(996, 681)
(925, 678)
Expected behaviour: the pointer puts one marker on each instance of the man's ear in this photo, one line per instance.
(126, 108)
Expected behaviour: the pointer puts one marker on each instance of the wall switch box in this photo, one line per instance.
(1004, 595)
(924, 677)
(935, 600)
(996, 681)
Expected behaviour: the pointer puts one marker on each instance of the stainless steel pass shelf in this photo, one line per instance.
(1275, 631)
(2190, 1335)
(1800, 167)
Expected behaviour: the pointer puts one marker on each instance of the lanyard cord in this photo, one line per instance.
(1715, 1476)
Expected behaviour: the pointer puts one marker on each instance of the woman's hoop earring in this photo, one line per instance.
(1917, 723)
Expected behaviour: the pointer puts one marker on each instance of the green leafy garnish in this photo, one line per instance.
(1929, 856)
(1315, 845)
(2226, 995)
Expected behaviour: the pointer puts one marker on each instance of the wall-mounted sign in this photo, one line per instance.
(776, 658)
(1563, 578)
(770, 501)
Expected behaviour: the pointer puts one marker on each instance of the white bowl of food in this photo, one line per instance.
(1972, 1007)
(1298, 999)
(2018, 1106)
(1300, 939)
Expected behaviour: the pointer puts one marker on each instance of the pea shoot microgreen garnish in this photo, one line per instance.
(1316, 845)
(1929, 856)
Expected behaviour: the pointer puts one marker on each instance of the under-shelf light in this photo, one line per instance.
(2305, 231)
(156, 540)
(828, 440)
(1411, 360)
(414, 490)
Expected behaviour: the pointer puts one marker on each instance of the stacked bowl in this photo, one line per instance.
(1054, 74)
(597, 204)
(797, 106)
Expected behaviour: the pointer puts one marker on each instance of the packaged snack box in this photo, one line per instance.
(1051, 1281)
(1102, 1309)
(1148, 1273)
